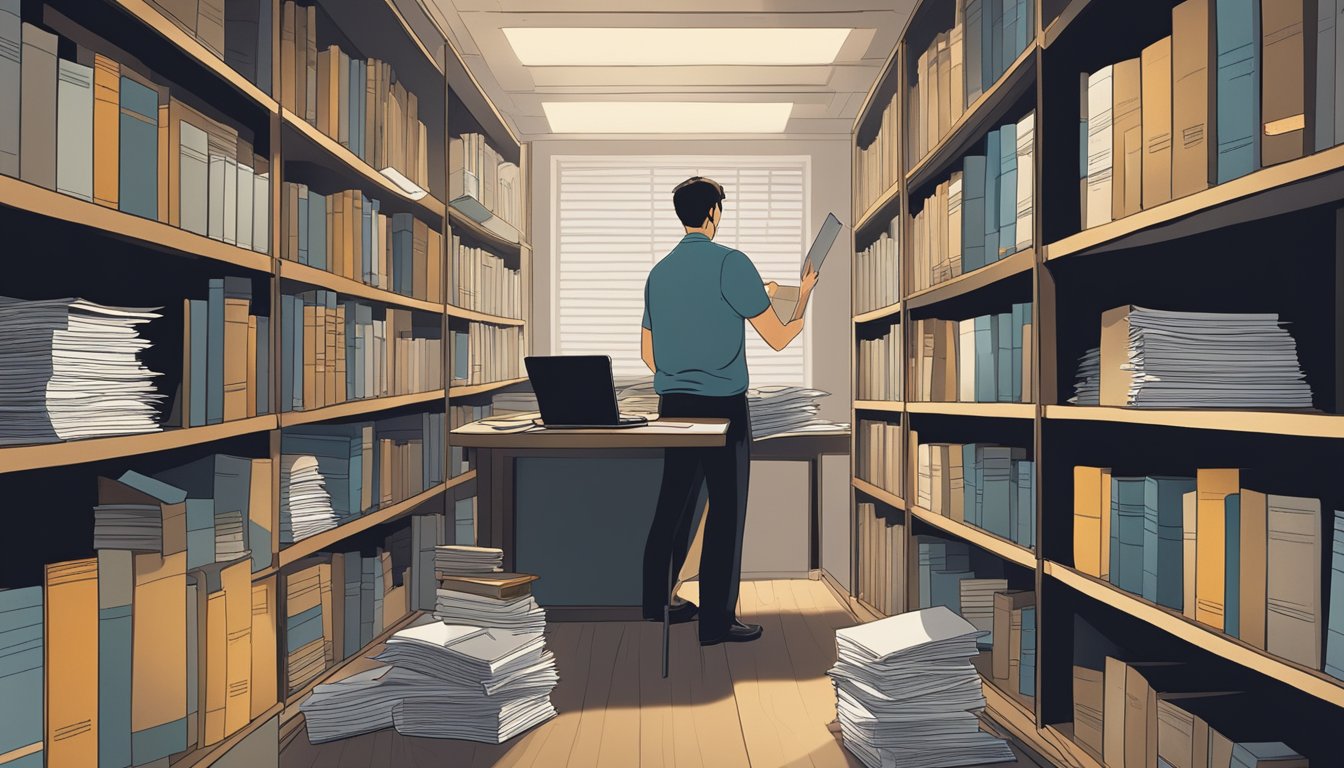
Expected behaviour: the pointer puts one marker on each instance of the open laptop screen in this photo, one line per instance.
(574, 389)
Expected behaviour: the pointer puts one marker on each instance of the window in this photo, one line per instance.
(614, 221)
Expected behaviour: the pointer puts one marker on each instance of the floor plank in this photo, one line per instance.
(620, 740)
(684, 667)
(655, 702)
(597, 692)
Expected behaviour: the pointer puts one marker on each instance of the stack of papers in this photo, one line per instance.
(137, 527)
(305, 506)
(635, 397)
(774, 409)
(907, 693)
(514, 402)
(70, 369)
(520, 614)
(452, 558)
(1087, 388)
(1213, 360)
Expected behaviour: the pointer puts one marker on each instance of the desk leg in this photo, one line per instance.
(814, 514)
(494, 502)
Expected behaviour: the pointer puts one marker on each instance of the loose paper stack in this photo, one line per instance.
(69, 369)
(1087, 389)
(305, 507)
(451, 558)
(774, 409)
(520, 614)
(907, 693)
(137, 527)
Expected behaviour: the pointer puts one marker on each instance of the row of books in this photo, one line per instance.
(347, 234)
(881, 553)
(226, 355)
(879, 458)
(1239, 561)
(877, 167)
(1234, 88)
(985, 359)
(991, 487)
(983, 213)
(358, 102)
(460, 459)
(483, 282)
(477, 170)
(877, 271)
(961, 63)
(99, 130)
(880, 364)
(1159, 713)
(486, 354)
(237, 31)
(333, 352)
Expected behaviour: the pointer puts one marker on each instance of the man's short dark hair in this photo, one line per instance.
(694, 198)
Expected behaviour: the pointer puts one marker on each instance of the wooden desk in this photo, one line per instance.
(673, 433)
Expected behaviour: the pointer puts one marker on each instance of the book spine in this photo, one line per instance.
(137, 191)
(37, 108)
(11, 79)
(74, 130)
(1238, 97)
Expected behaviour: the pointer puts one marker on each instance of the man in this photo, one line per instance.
(694, 339)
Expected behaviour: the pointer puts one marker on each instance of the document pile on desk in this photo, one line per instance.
(774, 409)
(907, 693)
(480, 671)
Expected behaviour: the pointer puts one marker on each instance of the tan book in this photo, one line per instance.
(264, 689)
(338, 349)
(1005, 603)
(1189, 550)
(159, 649)
(1213, 487)
(1091, 520)
(394, 605)
(235, 358)
(333, 93)
(322, 97)
(1133, 162)
(299, 63)
(236, 583)
(212, 658)
(1191, 86)
(1127, 116)
(1283, 82)
(70, 629)
(1113, 713)
(288, 54)
(1155, 62)
(106, 131)
(337, 572)
(1115, 344)
(1254, 558)
(501, 586)
(1293, 611)
(1137, 695)
(956, 484)
(324, 596)
(1220, 748)
(1088, 700)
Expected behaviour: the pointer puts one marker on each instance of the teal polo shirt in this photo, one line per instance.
(696, 301)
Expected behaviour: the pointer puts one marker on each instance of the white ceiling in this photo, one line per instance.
(826, 98)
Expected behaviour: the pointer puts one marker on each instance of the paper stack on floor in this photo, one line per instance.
(305, 507)
(907, 693)
(70, 369)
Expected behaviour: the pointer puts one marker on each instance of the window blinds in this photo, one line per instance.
(614, 221)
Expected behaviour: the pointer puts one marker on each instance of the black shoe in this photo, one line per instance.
(682, 612)
(737, 633)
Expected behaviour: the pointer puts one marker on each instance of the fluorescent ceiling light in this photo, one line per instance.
(640, 46)
(666, 116)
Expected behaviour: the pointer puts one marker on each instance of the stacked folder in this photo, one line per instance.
(907, 693)
(71, 369)
(305, 506)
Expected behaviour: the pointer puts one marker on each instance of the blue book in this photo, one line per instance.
(1019, 322)
(986, 346)
(970, 485)
(1262, 754)
(138, 158)
(1127, 495)
(945, 588)
(21, 676)
(1007, 190)
(1027, 664)
(996, 489)
(993, 168)
(1003, 358)
(351, 592)
(368, 567)
(462, 357)
(464, 522)
(991, 22)
(200, 533)
(366, 221)
(1026, 504)
(1009, 34)
(973, 213)
(196, 408)
(304, 225)
(1232, 565)
(317, 230)
(214, 400)
(263, 364)
(973, 36)
(373, 244)
(1237, 87)
(303, 628)
(1163, 552)
(1334, 640)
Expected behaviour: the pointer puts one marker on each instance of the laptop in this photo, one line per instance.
(785, 300)
(577, 392)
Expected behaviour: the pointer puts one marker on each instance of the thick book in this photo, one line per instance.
(137, 165)
(21, 645)
(1126, 138)
(1127, 517)
(37, 113)
(237, 301)
(1004, 604)
(1191, 95)
(1163, 576)
(993, 185)
(70, 629)
(1213, 487)
(116, 592)
(1155, 88)
(1091, 521)
(1100, 150)
(1329, 96)
(1293, 619)
(1252, 565)
(1232, 558)
(1007, 190)
(74, 130)
(1284, 132)
(192, 200)
(353, 572)
(11, 78)
(263, 689)
(210, 25)
(236, 582)
(1087, 708)
(159, 686)
(1237, 35)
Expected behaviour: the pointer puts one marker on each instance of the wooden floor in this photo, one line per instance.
(764, 704)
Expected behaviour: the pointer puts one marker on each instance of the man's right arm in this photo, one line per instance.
(779, 334)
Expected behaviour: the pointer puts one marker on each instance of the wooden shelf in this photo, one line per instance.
(882, 495)
(320, 278)
(155, 20)
(891, 311)
(207, 756)
(356, 164)
(888, 406)
(1295, 185)
(1290, 423)
(1066, 17)
(21, 195)
(983, 410)
(357, 408)
(481, 389)
(1061, 736)
(1312, 682)
(978, 536)
(1016, 264)
(18, 458)
(480, 232)
(481, 317)
(976, 120)
(328, 538)
(291, 710)
(265, 573)
(883, 201)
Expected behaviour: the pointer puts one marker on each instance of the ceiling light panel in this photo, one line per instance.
(666, 116)
(650, 46)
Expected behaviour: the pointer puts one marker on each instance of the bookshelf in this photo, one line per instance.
(1067, 276)
(140, 36)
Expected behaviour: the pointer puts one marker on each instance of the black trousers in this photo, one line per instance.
(727, 471)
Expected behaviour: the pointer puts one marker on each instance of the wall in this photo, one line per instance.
(828, 319)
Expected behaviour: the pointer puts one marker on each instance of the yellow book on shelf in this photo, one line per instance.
(70, 628)
(236, 582)
(1091, 520)
(1113, 713)
(1254, 583)
(264, 669)
(1156, 87)
(159, 656)
(1212, 487)
(106, 130)
(235, 358)
(212, 659)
